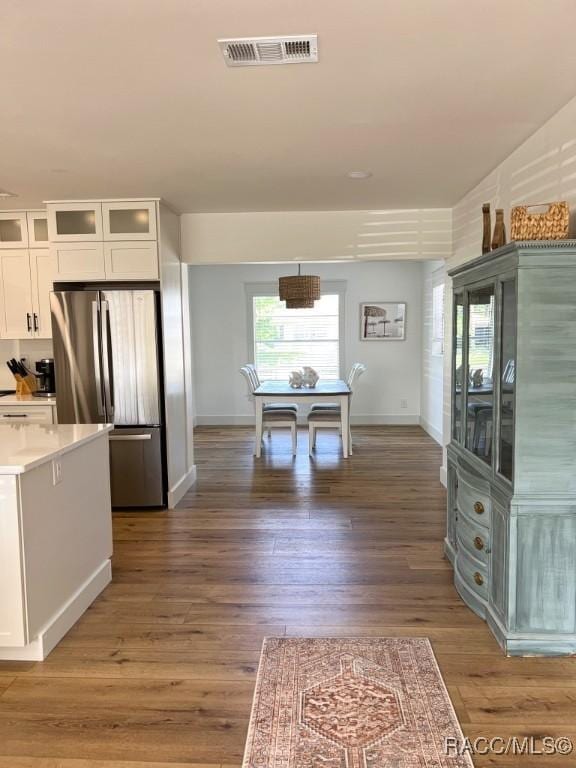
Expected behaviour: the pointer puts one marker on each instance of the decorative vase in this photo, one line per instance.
(486, 228)
(499, 238)
(296, 379)
(310, 377)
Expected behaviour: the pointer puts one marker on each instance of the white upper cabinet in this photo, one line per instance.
(75, 222)
(129, 220)
(13, 229)
(131, 261)
(16, 314)
(79, 261)
(37, 229)
(43, 273)
(104, 240)
(26, 279)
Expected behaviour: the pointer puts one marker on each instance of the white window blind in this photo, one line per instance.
(288, 339)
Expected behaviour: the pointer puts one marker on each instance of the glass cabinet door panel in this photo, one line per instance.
(11, 231)
(136, 220)
(480, 372)
(76, 222)
(130, 220)
(507, 378)
(458, 371)
(40, 230)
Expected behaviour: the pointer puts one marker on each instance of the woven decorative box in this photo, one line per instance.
(553, 224)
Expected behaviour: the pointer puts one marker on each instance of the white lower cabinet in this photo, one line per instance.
(55, 544)
(29, 414)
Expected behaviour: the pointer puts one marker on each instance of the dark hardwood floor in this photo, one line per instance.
(160, 671)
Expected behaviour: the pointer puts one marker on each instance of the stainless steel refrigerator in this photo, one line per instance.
(108, 370)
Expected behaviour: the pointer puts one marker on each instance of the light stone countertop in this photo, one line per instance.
(26, 400)
(26, 446)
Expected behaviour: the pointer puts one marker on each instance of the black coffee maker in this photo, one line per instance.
(46, 380)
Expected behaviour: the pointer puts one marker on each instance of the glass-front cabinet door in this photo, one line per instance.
(129, 220)
(507, 378)
(37, 229)
(458, 367)
(479, 377)
(75, 222)
(13, 229)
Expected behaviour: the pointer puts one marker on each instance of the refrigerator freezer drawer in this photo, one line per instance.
(136, 467)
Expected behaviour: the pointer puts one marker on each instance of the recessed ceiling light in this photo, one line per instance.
(5, 193)
(359, 174)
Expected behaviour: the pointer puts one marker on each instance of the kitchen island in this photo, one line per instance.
(55, 532)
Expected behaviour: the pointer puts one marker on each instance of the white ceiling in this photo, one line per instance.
(110, 98)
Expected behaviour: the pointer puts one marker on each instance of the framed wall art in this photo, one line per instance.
(383, 321)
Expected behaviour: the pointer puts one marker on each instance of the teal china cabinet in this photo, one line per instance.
(511, 527)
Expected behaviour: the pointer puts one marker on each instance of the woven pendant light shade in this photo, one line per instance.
(299, 291)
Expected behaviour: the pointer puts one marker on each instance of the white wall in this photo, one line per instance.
(32, 349)
(431, 406)
(233, 238)
(542, 169)
(220, 339)
(179, 433)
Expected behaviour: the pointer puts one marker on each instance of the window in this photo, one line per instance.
(438, 319)
(288, 339)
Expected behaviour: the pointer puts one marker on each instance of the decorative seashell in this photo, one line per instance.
(310, 377)
(295, 379)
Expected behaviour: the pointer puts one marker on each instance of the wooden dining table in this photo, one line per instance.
(333, 391)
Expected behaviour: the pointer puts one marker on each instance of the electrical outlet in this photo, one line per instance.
(56, 471)
(403, 403)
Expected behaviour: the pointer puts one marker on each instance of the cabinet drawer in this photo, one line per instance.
(36, 414)
(473, 575)
(474, 538)
(473, 498)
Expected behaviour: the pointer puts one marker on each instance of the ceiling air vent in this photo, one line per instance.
(260, 51)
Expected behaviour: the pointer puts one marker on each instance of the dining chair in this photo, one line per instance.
(274, 414)
(327, 415)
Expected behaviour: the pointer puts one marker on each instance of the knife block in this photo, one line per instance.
(25, 385)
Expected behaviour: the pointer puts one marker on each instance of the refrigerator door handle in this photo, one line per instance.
(107, 362)
(126, 438)
(96, 347)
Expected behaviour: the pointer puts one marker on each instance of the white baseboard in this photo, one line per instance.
(432, 431)
(367, 419)
(177, 492)
(234, 420)
(61, 622)
(444, 476)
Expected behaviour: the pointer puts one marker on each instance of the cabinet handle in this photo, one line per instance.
(478, 543)
(478, 578)
(479, 508)
(29, 321)
(36, 324)
(14, 415)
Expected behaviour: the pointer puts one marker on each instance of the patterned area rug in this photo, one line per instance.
(350, 703)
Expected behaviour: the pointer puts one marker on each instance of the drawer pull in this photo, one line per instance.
(479, 508)
(14, 415)
(478, 578)
(478, 542)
